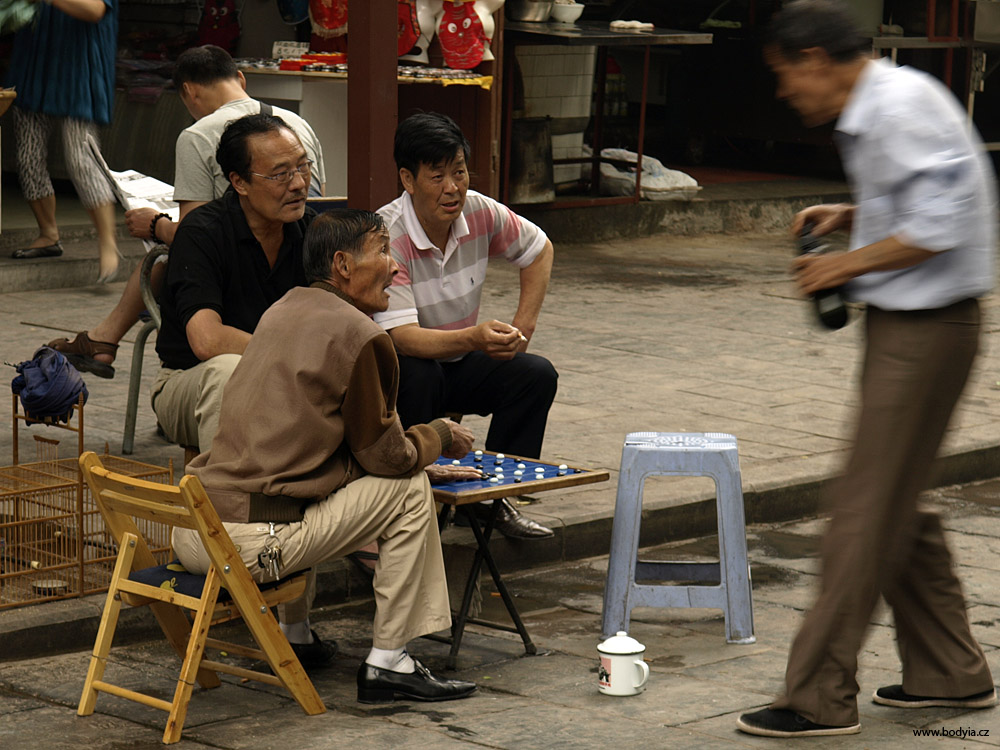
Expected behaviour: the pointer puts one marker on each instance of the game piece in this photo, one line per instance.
(456, 462)
(479, 456)
(539, 470)
(563, 468)
(521, 466)
(518, 472)
(494, 480)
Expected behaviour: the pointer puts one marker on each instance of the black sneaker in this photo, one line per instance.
(780, 722)
(893, 695)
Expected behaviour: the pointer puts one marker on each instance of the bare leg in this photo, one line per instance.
(31, 136)
(125, 314)
(103, 217)
(44, 210)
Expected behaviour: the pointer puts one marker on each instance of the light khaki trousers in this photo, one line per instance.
(187, 402)
(878, 541)
(411, 594)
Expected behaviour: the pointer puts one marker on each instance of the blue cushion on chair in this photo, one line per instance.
(174, 576)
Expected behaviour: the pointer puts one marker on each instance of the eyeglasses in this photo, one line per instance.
(282, 177)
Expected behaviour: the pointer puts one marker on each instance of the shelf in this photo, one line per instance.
(484, 82)
(597, 33)
(917, 42)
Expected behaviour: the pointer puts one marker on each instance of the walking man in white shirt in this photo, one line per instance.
(923, 234)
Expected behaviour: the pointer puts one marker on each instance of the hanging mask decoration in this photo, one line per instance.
(407, 28)
(220, 25)
(329, 17)
(486, 9)
(427, 11)
(461, 34)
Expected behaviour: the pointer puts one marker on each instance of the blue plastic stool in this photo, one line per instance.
(726, 583)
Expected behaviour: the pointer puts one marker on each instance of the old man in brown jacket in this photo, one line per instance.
(311, 459)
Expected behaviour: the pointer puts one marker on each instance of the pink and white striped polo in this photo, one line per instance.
(443, 290)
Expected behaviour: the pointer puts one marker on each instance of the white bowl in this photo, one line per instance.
(566, 13)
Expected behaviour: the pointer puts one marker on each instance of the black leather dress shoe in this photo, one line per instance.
(316, 655)
(512, 524)
(377, 685)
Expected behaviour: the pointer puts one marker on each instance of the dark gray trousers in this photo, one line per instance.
(878, 541)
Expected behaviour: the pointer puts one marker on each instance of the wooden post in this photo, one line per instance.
(371, 103)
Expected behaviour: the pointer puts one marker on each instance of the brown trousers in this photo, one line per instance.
(878, 541)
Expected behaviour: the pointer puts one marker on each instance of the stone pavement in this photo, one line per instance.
(675, 334)
(698, 683)
(662, 333)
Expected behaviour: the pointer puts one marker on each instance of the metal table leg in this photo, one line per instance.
(482, 555)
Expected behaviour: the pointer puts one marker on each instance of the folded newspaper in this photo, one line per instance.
(136, 190)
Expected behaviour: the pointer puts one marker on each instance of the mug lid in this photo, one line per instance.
(621, 643)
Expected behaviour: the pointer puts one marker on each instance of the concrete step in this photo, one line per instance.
(78, 266)
(71, 624)
(747, 207)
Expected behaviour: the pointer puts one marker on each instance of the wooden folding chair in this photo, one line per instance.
(122, 499)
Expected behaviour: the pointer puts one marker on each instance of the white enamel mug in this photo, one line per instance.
(622, 671)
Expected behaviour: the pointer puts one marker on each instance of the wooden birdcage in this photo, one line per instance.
(53, 543)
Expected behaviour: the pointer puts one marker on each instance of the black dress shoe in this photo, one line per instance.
(316, 655)
(377, 685)
(512, 524)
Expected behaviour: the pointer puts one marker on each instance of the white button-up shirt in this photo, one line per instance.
(918, 172)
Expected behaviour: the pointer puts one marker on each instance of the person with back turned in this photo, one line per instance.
(311, 460)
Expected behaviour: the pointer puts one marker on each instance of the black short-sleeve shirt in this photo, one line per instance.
(216, 263)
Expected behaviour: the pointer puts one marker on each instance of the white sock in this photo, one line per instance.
(395, 660)
(297, 632)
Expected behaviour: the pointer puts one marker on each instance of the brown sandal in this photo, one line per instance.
(81, 350)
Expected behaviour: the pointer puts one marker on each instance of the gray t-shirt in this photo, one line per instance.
(197, 176)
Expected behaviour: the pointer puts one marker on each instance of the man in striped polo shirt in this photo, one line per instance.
(442, 235)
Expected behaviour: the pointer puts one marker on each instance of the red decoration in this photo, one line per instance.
(408, 30)
(219, 25)
(461, 35)
(329, 17)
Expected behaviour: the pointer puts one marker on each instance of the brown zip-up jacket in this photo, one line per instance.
(310, 407)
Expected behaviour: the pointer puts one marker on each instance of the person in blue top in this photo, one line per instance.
(63, 68)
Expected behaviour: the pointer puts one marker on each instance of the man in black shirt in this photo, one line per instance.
(229, 261)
